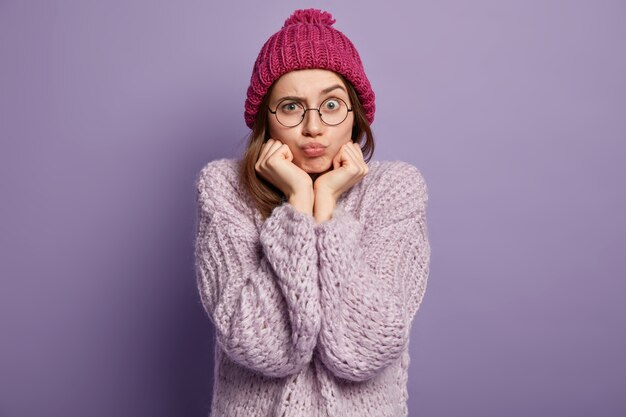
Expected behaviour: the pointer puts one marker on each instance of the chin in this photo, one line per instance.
(316, 167)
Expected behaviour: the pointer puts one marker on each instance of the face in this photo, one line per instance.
(310, 88)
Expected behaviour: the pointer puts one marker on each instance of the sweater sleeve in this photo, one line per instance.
(258, 287)
(373, 276)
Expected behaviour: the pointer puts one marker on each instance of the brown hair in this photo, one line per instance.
(266, 195)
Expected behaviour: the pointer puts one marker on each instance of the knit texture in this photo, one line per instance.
(307, 40)
(311, 319)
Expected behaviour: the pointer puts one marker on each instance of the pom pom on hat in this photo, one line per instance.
(310, 16)
(307, 40)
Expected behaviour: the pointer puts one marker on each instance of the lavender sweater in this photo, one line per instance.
(312, 319)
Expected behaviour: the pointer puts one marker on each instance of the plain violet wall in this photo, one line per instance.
(514, 111)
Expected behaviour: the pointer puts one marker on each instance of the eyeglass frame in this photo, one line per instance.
(305, 109)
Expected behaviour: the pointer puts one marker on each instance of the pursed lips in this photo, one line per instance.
(313, 149)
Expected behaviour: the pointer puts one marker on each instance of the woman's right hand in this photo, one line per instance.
(276, 166)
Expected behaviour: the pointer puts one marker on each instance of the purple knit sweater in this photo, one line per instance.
(312, 319)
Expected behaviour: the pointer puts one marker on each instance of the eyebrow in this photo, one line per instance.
(324, 91)
(334, 87)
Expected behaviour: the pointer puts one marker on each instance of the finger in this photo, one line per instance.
(359, 154)
(352, 155)
(342, 157)
(262, 164)
(338, 158)
(274, 147)
(265, 149)
(280, 153)
(357, 159)
(358, 149)
(285, 152)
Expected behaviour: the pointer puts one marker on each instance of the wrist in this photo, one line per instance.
(325, 194)
(323, 207)
(302, 201)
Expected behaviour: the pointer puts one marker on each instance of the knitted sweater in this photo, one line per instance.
(312, 319)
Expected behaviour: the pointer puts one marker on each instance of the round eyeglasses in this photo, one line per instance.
(290, 113)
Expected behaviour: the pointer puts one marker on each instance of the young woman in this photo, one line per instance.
(311, 261)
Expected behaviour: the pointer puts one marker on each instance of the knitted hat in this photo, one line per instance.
(307, 40)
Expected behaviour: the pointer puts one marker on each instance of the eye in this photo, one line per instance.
(331, 104)
(289, 107)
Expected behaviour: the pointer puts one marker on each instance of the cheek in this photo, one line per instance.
(346, 134)
(278, 132)
(349, 126)
(272, 128)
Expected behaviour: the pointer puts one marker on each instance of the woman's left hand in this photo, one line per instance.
(349, 168)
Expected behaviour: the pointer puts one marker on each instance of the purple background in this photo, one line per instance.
(515, 112)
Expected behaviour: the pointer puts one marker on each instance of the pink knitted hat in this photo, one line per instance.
(307, 40)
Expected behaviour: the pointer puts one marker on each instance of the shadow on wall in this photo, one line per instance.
(187, 341)
(189, 362)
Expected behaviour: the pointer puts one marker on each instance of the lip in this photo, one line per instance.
(313, 149)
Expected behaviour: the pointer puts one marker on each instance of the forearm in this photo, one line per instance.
(261, 331)
(262, 297)
(302, 200)
(288, 243)
(364, 325)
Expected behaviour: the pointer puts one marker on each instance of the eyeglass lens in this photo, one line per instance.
(333, 111)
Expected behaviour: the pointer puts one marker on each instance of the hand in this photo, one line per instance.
(349, 168)
(276, 166)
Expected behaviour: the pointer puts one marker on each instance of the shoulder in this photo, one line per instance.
(219, 172)
(396, 180)
(390, 171)
(218, 186)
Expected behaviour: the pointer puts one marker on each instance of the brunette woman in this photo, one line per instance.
(311, 259)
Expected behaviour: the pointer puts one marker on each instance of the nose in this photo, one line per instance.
(312, 124)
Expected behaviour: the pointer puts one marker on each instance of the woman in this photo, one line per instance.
(311, 261)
